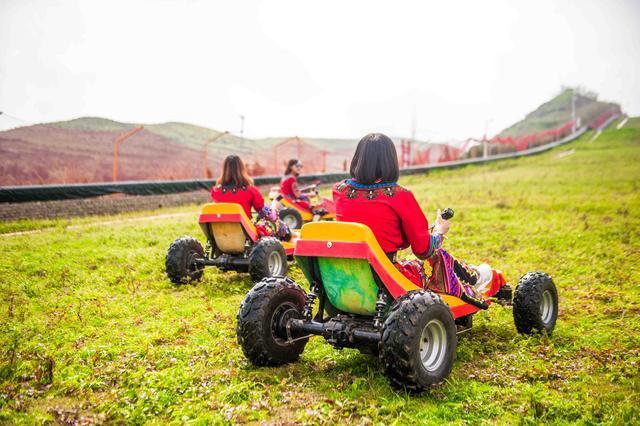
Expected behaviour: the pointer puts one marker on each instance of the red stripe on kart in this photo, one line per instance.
(462, 310)
(335, 249)
(298, 206)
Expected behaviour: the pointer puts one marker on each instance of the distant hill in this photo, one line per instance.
(557, 111)
(81, 150)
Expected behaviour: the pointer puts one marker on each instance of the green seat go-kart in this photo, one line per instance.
(364, 302)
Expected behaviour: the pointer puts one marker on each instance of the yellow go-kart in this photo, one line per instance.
(295, 214)
(233, 243)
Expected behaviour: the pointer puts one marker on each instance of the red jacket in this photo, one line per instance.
(247, 196)
(391, 211)
(287, 185)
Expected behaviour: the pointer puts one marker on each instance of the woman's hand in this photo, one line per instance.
(442, 225)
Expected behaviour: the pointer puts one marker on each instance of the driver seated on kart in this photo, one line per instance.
(290, 190)
(372, 197)
(236, 186)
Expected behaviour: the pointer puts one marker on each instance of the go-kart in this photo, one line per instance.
(364, 302)
(295, 215)
(233, 243)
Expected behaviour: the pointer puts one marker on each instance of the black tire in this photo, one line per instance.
(402, 335)
(267, 259)
(291, 217)
(262, 315)
(180, 263)
(535, 304)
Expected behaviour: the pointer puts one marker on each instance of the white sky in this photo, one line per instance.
(313, 68)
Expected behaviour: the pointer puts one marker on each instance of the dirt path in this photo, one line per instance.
(622, 123)
(107, 222)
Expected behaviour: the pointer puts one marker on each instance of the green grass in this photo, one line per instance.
(92, 330)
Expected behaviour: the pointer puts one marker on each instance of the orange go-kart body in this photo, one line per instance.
(229, 227)
(305, 212)
(345, 251)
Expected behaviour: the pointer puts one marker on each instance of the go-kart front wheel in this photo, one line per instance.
(262, 319)
(267, 259)
(418, 341)
(291, 217)
(535, 303)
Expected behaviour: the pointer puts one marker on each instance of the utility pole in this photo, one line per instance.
(485, 141)
(205, 158)
(573, 110)
(116, 145)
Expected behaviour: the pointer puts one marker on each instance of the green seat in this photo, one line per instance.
(349, 283)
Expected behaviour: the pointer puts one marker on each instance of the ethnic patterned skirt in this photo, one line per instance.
(448, 275)
(270, 225)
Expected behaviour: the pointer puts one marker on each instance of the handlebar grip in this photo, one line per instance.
(447, 213)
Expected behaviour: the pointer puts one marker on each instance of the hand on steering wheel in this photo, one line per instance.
(442, 225)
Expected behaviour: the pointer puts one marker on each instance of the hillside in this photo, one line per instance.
(81, 150)
(93, 332)
(557, 111)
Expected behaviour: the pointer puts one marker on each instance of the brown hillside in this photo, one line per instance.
(47, 154)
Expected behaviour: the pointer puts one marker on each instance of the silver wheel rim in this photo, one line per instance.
(274, 262)
(546, 307)
(290, 221)
(433, 345)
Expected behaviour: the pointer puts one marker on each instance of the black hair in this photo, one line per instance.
(290, 165)
(375, 159)
(234, 173)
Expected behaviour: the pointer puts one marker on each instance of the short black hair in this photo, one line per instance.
(375, 159)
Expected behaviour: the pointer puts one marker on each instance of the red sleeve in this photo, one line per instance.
(213, 191)
(257, 200)
(289, 187)
(414, 224)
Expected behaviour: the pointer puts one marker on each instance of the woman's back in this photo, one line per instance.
(247, 196)
(236, 186)
(389, 210)
(287, 184)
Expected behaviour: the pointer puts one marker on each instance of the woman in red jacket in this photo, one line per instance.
(289, 184)
(236, 186)
(373, 197)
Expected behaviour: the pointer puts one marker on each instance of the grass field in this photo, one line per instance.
(91, 330)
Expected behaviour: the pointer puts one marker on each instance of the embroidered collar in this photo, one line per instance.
(232, 188)
(355, 184)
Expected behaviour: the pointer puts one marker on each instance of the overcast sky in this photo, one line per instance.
(313, 68)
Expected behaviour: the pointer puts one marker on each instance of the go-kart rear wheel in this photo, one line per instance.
(418, 341)
(262, 320)
(291, 217)
(535, 304)
(181, 262)
(267, 259)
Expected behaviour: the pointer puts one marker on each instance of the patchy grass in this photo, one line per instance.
(91, 330)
